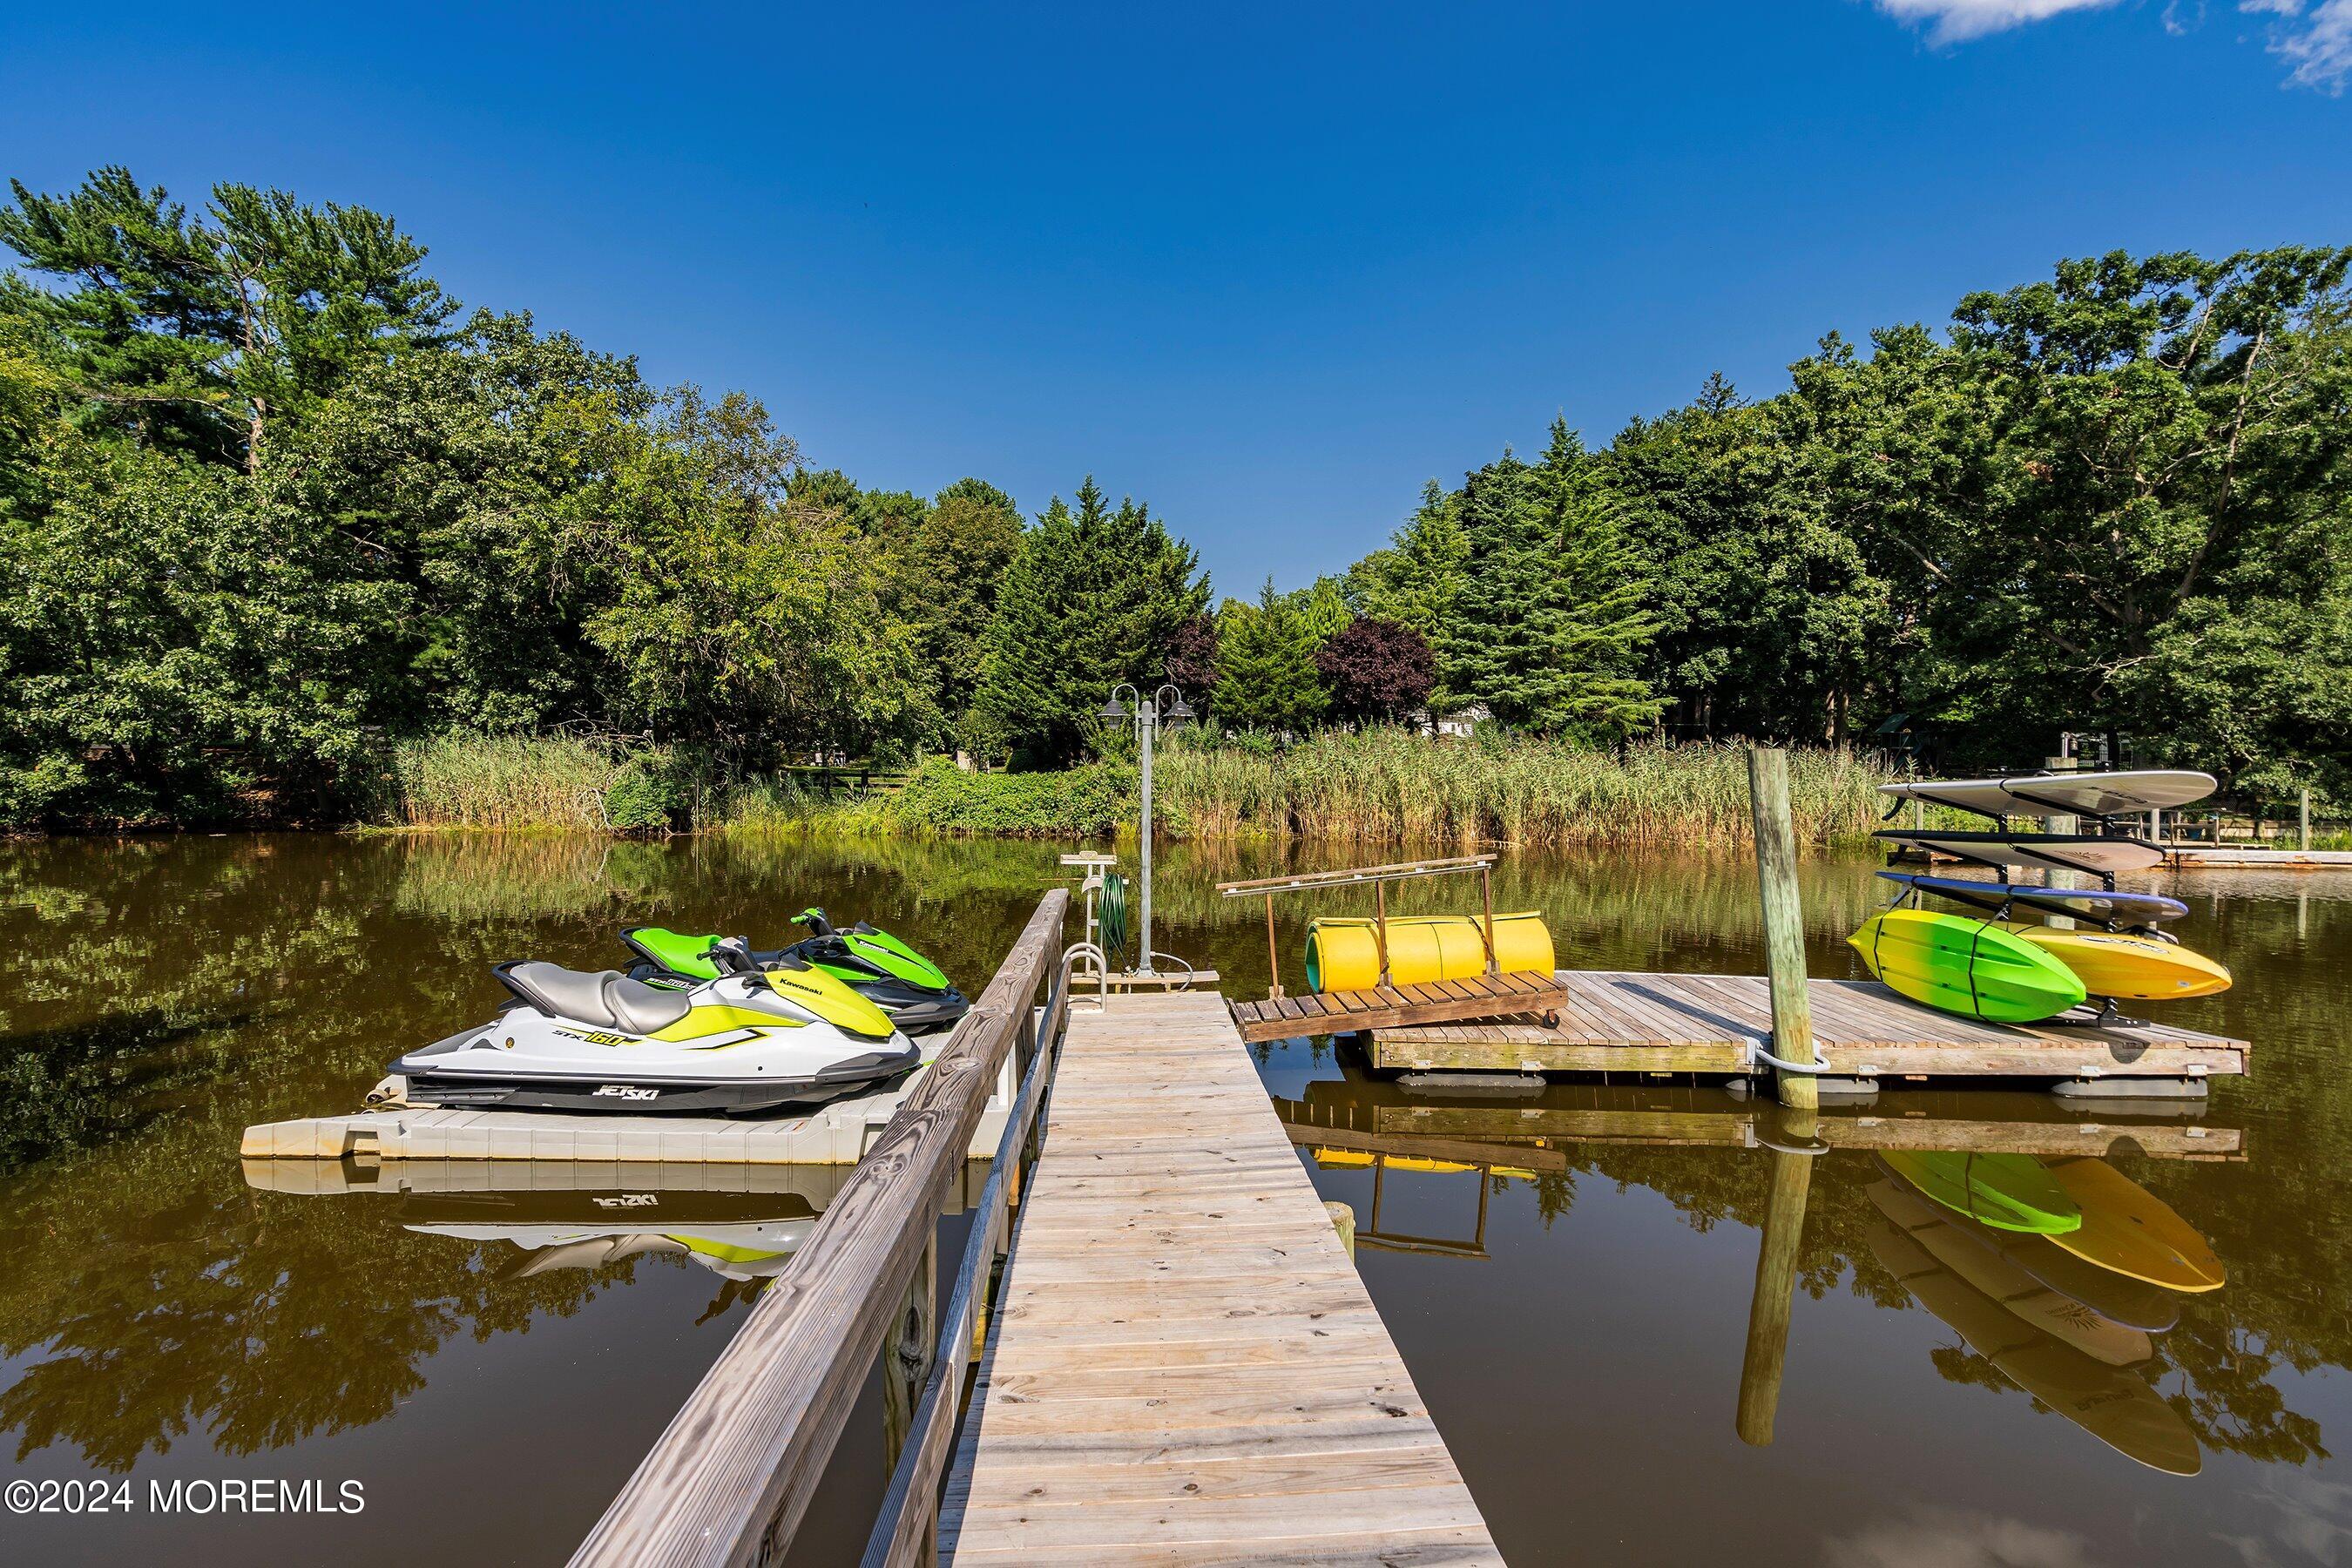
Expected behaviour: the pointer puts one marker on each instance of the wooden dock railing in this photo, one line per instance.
(730, 1479)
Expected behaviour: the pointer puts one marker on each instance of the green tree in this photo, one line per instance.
(740, 621)
(1416, 580)
(456, 471)
(1550, 622)
(953, 572)
(1266, 665)
(2167, 435)
(1094, 595)
(173, 644)
(197, 333)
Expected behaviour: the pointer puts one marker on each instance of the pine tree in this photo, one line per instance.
(1549, 622)
(1414, 582)
(1266, 666)
(1094, 596)
(194, 334)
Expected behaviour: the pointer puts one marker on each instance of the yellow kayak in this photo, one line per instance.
(2129, 1230)
(2130, 968)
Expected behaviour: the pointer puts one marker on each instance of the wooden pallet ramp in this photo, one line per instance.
(1399, 1006)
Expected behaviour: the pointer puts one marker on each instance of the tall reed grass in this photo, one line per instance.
(1387, 784)
(461, 779)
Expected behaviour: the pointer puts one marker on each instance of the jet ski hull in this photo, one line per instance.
(600, 1042)
(643, 1094)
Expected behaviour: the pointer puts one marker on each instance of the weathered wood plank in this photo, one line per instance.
(1183, 1365)
(1389, 1007)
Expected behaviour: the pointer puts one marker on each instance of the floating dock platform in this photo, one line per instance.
(1614, 1021)
(2240, 858)
(1184, 1366)
(836, 1133)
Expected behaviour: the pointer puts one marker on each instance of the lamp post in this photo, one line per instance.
(1146, 715)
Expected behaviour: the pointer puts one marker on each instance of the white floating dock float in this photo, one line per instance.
(837, 1134)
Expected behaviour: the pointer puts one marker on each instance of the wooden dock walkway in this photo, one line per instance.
(1184, 1366)
(1629, 1021)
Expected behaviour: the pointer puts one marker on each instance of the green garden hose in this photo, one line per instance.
(1112, 915)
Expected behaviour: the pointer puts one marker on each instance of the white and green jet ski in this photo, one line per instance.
(574, 1040)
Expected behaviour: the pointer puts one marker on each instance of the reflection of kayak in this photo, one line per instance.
(1972, 967)
(2129, 1230)
(2130, 1302)
(2132, 968)
(2006, 1191)
(1357, 1159)
(1979, 1263)
(2114, 1406)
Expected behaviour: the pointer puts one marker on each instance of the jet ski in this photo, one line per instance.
(757, 1036)
(877, 965)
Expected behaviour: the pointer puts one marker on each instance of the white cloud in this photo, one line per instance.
(2313, 38)
(1957, 19)
(1928, 1537)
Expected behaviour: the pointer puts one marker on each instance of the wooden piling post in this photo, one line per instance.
(1343, 1220)
(907, 1353)
(1775, 1279)
(2302, 821)
(1486, 890)
(1380, 927)
(1784, 923)
(1273, 954)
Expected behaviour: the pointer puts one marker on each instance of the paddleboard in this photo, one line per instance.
(2111, 1404)
(2129, 967)
(2006, 1191)
(1971, 967)
(2134, 1303)
(2062, 794)
(2054, 851)
(2129, 1230)
(2084, 903)
(1981, 1264)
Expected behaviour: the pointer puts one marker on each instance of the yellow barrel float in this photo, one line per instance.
(1345, 954)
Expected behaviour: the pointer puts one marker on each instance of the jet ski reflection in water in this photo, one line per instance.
(758, 1035)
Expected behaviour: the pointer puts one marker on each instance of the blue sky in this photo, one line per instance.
(1266, 267)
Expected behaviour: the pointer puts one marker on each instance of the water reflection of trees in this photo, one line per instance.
(161, 994)
(150, 1295)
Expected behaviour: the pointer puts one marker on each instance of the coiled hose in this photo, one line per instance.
(1111, 912)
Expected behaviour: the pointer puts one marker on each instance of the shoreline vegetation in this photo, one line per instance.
(288, 537)
(1378, 784)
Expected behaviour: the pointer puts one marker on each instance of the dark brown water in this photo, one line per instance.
(1569, 1275)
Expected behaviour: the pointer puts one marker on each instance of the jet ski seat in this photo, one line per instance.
(607, 1000)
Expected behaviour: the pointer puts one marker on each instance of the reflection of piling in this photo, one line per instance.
(1784, 923)
(1776, 1280)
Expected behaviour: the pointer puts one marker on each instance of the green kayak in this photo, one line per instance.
(1968, 966)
